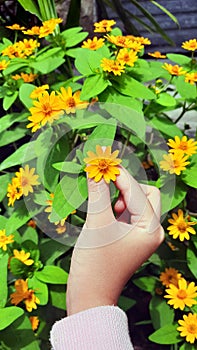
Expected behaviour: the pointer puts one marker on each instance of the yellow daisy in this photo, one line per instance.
(71, 102)
(104, 26)
(35, 30)
(188, 327)
(48, 26)
(93, 44)
(180, 226)
(190, 45)
(127, 57)
(191, 78)
(34, 322)
(174, 163)
(15, 27)
(14, 191)
(5, 240)
(22, 293)
(27, 78)
(103, 164)
(156, 54)
(174, 70)
(124, 41)
(188, 147)
(39, 91)
(113, 66)
(4, 64)
(23, 256)
(140, 39)
(183, 295)
(27, 179)
(170, 276)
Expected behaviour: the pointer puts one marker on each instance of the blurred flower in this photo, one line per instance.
(113, 66)
(180, 227)
(104, 26)
(21, 49)
(188, 327)
(15, 27)
(27, 78)
(93, 44)
(34, 322)
(174, 70)
(71, 102)
(39, 91)
(127, 57)
(5, 240)
(14, 191)
(31, 223)
(170, 276)
(22, 293)
(46, 109)
(188, 147)
(48, 26)
(174, 163)
(27, 179)
(190, 45)
(23, 256)
(183, 295)
(103, 164)
(4, 64)
(191, 78)
(35, 30)
(156, 54)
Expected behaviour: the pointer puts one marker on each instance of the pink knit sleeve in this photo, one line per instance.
(99, 328)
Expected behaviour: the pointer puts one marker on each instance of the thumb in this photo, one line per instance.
(99, 212)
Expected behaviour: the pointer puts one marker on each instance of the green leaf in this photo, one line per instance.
(58, 296)
(48, 64)
(68, 167)
(189, 175)
(52, 274)
(8, 315)
(167, 100)
(30, 234)
(187, 346)
(178, 58)
(192, 261)
(93, 86)
(186, 90)
(172, 194)
(145, 283)
(9, 119)
(168, 334)
(10, 136)
(165, 126)
(19, 217)
(9, 100)
(40, 288)
(70, 193)
(173, 18)
(125, 303)
(24, 93)
(14, 65)
(31, 6)
(50, 250)
(129, 86)
(72, 36)
(3, 284)
(25, 153)
(4, 180)
(160, 312)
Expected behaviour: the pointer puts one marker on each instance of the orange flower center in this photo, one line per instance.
(192, 328)
(182, 226)
(3, 238)
(71, 102)
(176, 163)
(47, 108)
(93, 45)
(183, 145)
(103, 165)
(24, 181)
(181, 294)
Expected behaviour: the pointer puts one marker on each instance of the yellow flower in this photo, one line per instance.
(39, 91)
(23, 256)
(15, 27)
(174, 163)
(71, 102)
(174, 70)
(14, 191)
(140, 39)
(49, 26)
(156, 54)
(34, 322)
(190, 45)
(180, 226)
(5, 240)
(46, 109)
(104, 26)
(103, 164)
(191, 78)
(22, 293)
(4, 64)
(188, 327)
(183, 295)
(170, 276)
(27, 179)
(123, 41)
(127, 57)
(93, 44)
(188, 147)
(27, 78)
(35, 30)
(113, 66)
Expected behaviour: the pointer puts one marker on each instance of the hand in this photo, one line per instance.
(109, 250)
